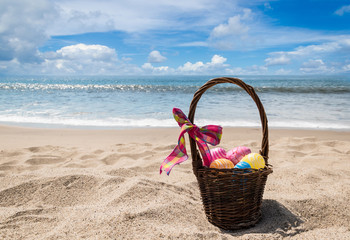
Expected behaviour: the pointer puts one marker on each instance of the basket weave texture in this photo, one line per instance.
(231, 197)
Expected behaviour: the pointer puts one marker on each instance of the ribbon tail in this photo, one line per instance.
(176, 157)
(205, 152)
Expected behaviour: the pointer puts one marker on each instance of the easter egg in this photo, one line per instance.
(217, 153)
(236, 154)
(252, 160)
(222, 163)
(242, 165)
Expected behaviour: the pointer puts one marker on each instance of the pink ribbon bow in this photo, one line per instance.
(208, 134)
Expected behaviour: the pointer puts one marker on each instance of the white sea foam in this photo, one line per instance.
(153, 122)
(75, 122)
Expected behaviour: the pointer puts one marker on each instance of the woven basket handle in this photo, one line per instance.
(197, 161)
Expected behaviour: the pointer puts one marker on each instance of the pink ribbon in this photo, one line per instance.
(208, 134)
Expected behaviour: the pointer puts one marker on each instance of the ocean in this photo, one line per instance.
(308, 102)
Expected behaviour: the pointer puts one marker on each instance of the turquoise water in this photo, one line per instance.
(147, 101)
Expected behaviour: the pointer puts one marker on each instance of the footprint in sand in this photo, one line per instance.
(126, 158)
(169, 147)
(67, 190)
(44, 159)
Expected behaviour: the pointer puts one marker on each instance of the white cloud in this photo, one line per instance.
(155, 57)
(255, 69)
(149, 68)
(278, 60)
(282, 71)
(192, 67)
(339, 47)
(231, 35)
(83, 52)
(217, 60)
(344, 9)
(317, 49)
(313, 63)
(194, 44)
(234, 27)
(250, 70)
(346, 68)
(81, 59)
(315, 66)
(23, 27)
(267, 6)
(126, 59)
(217, 63)
(236, 71)
(138, 16)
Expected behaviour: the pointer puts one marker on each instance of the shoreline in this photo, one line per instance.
(97, 128)
(170, 123)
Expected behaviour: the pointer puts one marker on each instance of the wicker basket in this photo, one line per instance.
(231, 197)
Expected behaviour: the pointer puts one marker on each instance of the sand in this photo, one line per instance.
(105, 184)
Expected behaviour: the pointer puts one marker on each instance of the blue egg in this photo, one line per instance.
(242, 165)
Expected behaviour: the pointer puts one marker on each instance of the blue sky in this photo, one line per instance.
(174, 37)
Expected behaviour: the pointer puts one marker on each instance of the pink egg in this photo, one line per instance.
(236, 154)
(217, 153)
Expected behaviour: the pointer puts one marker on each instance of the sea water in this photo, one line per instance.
(315, 102)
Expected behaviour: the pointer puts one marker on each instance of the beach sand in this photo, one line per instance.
(105, 184)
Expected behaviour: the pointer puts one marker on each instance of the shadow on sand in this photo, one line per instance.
(276, 218)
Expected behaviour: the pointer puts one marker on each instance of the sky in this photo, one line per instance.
(138, 37)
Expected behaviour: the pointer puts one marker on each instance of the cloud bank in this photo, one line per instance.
(219, 28)
(343, 10)
(23, 27)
